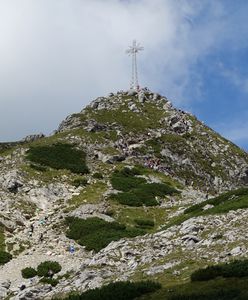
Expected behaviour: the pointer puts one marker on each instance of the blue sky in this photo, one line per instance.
(57, 56)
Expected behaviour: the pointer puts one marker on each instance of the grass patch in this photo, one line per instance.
(79, 181)
(95, 233)
(92, 193)
(2, 244)
(227, 281)
(118, 290)
(59, 156)
(233, 200)
(218, 289)
(144, 223)
(128, 215)
(129, 120)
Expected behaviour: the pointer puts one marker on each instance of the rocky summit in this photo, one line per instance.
(129, 189)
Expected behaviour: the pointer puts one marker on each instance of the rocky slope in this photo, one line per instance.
(124, 130)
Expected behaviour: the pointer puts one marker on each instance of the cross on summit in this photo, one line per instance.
(132, 51)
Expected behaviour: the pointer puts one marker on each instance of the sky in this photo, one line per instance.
(56, 56)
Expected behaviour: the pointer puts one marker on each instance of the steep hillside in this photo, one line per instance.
(145, 126)
(130, 188)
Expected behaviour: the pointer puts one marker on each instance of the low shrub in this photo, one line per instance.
(237, 268)
(48, 268)
(232, 200)
(136, 191)
(129, 172)
(59, 156)
(80, 181)
(95, 233)
(125, 184)
(51, 281)
(208, 273)
(29, 272)
(4, 257)
(135, 198)
(97, 175)
(144, 223)
(118, 291)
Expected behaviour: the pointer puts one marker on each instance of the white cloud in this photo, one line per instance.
(57, 55)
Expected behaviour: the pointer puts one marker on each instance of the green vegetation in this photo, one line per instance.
(51, 281)
(227, 281)
(124, 180)
(2, 244)
(129, 120)
(4, 257)
(232, 200)
(79, 181)
(38, 168)
(47, 268)
(129, 214)
(97, 175)
(92, 193)
(118, 291)
(59, 156)
(26, 207)
(218, 289)
(29, 272)
(144, 223)
(237, 268)
(6, 148)
(95, 233)
(136, 192)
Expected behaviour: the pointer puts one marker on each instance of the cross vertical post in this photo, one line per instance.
(133, 50)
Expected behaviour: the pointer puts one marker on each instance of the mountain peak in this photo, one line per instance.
(150, 127)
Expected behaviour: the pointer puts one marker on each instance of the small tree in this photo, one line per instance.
(48, 268)
(29, 272)
(4, 257)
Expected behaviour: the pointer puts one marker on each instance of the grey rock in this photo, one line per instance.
(236, 251)
(207, 206)
(33, 137)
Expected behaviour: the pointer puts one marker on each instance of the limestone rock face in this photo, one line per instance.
(11, 181)
(139, 131)
(186, 148)
(33, 137)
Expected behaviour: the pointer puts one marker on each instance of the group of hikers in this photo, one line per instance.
(156, 165)
(31, 231)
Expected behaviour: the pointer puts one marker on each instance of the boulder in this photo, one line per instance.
(12, 181)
